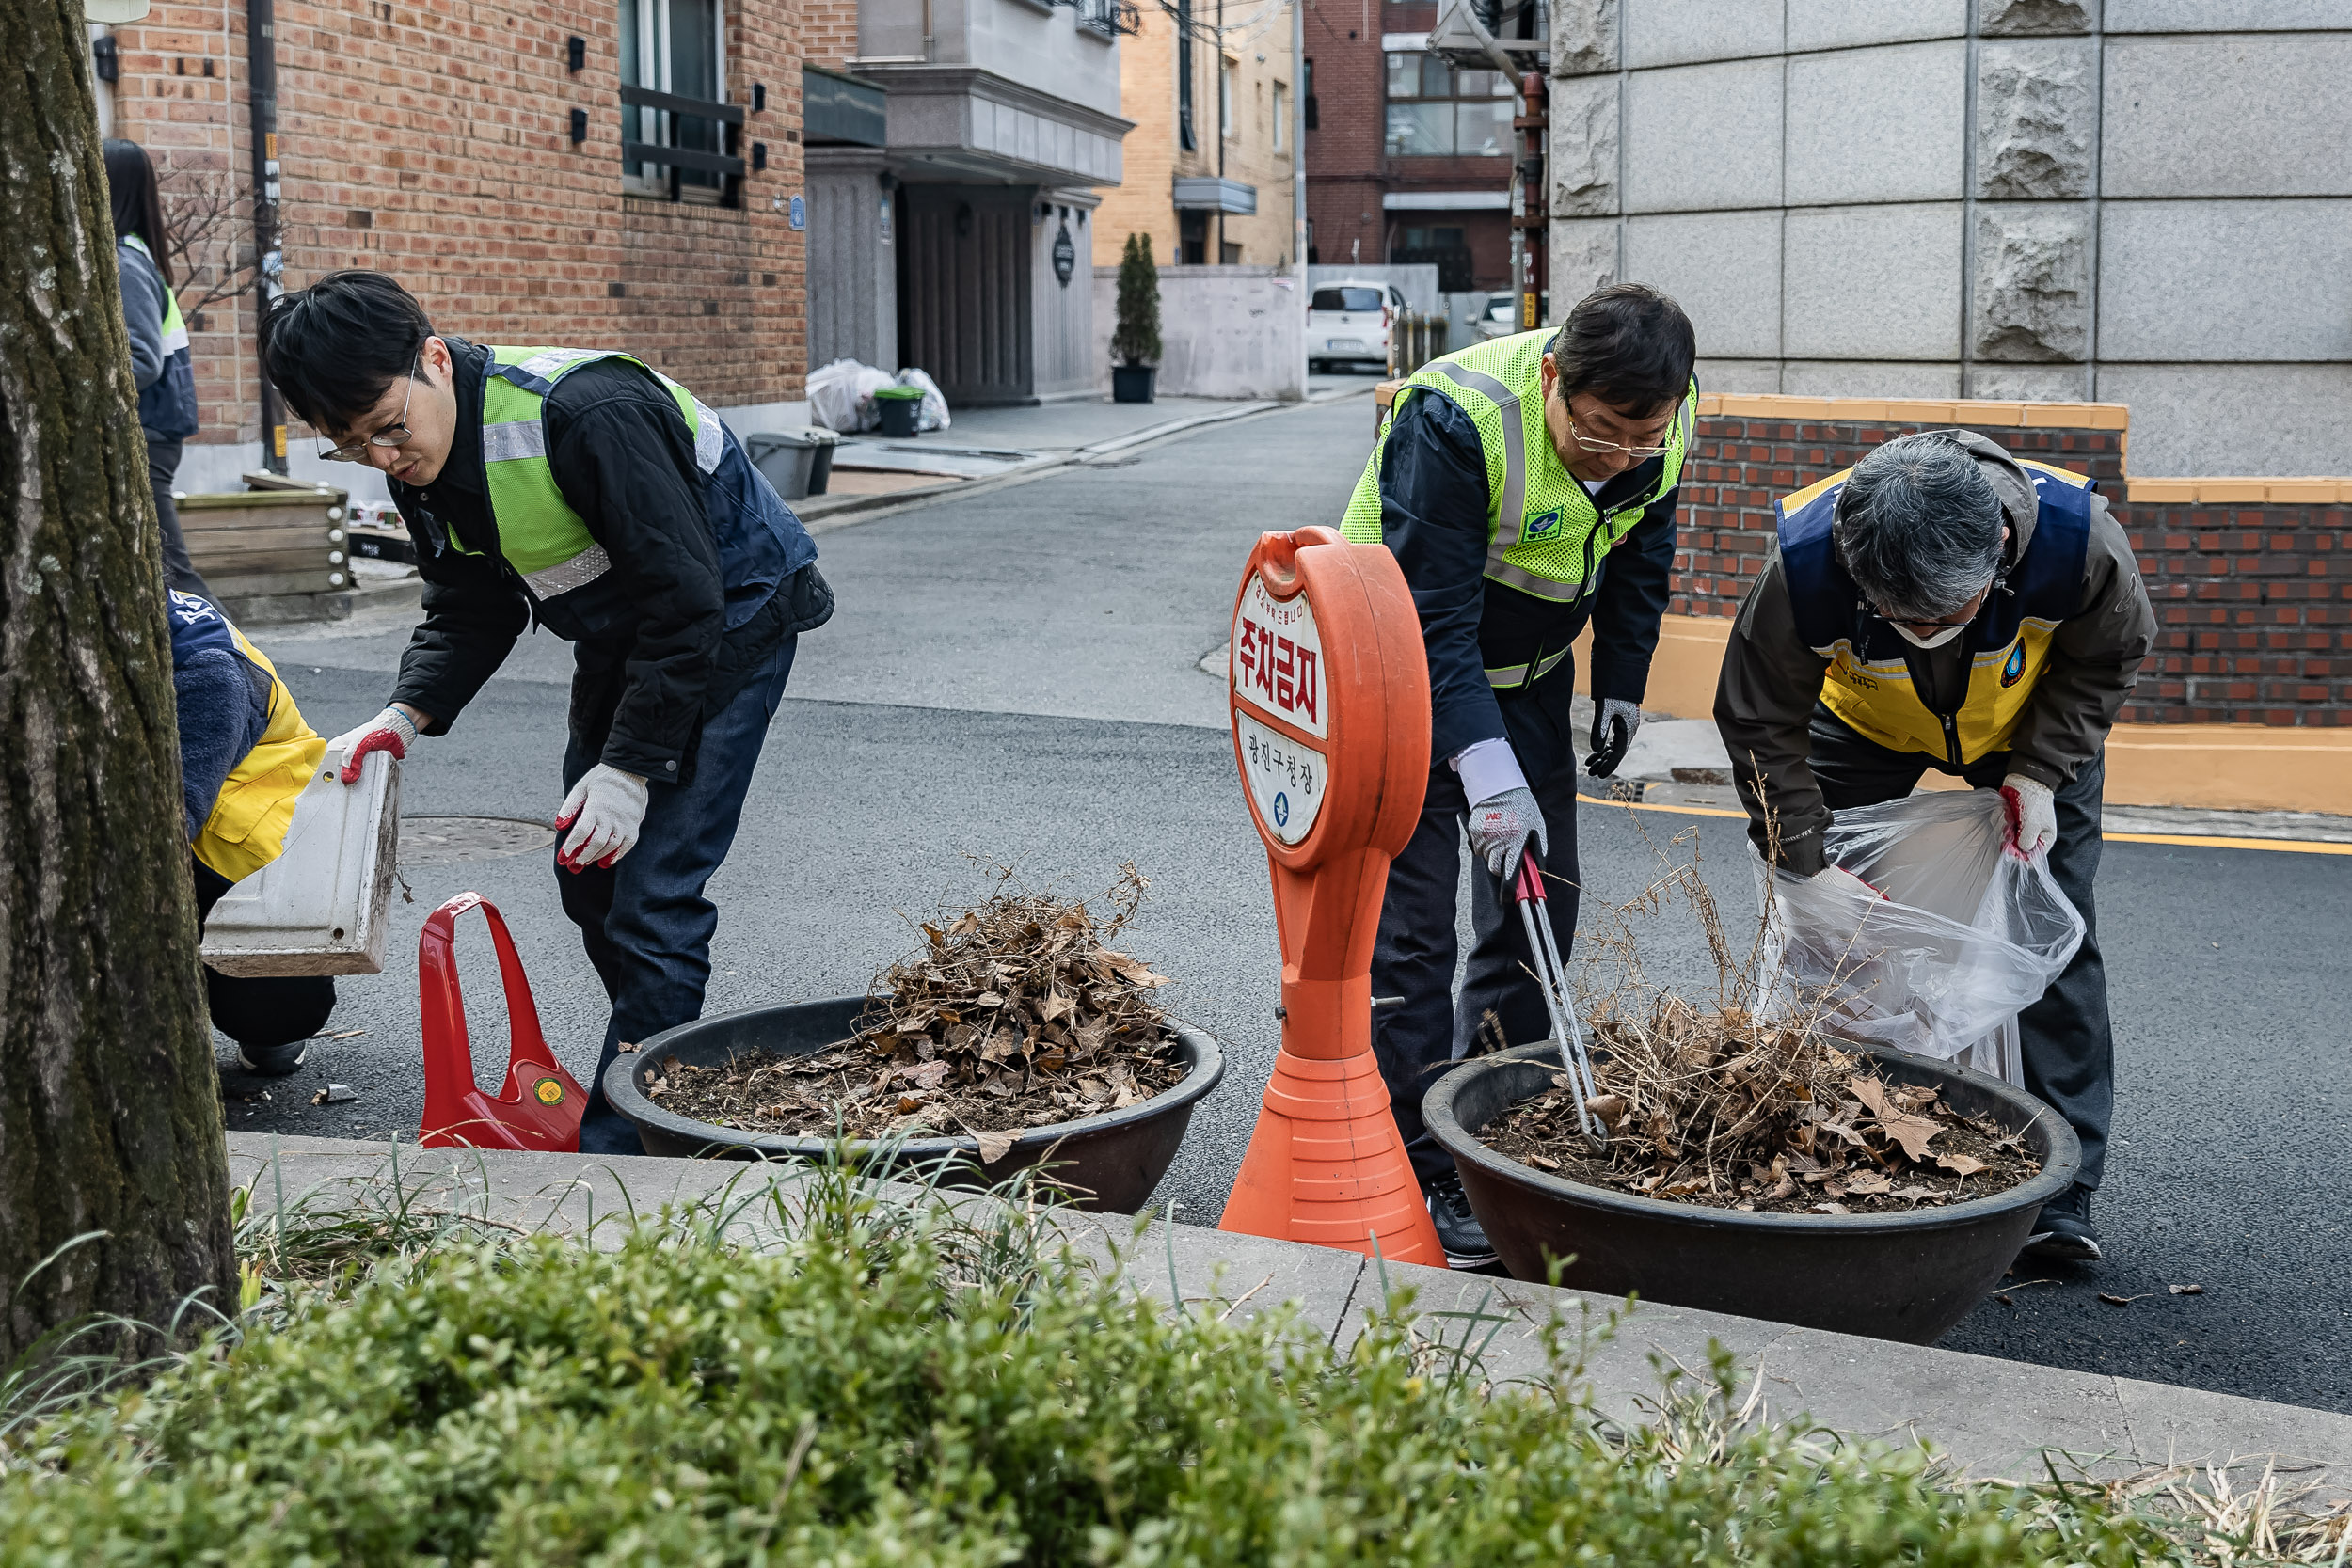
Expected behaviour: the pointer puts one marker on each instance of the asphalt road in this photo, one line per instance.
(1012, 679)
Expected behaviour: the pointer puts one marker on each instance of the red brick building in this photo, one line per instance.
(1407, 159)
(474, 149)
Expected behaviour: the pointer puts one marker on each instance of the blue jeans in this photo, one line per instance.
(645, 923)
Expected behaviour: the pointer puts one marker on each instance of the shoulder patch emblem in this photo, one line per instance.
(1538, 528)
(2013, 669)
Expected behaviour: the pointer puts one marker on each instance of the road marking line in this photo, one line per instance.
(2184, 841)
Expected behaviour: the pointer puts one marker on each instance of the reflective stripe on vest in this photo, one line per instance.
(1544, 536)
(175, 328)
(540, 536)
(1512, 676)
(1868, 684)
(247, 828)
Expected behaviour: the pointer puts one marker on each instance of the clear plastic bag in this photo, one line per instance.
(1967, 936)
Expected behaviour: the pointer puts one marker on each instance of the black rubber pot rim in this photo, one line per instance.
(2057, 1171)
(1203, 1073)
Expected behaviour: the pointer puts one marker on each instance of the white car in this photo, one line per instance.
(1501, 318)
(1348, 322)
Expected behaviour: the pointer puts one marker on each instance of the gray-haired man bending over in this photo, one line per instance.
(1944, 605)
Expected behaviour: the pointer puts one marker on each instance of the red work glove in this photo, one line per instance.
(2032, 814)
(389, 731)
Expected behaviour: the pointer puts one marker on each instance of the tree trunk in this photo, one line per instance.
(110, 1115)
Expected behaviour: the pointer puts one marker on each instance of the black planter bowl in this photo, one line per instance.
(1907, 1275)
(1109, 1163)
(1133, 382)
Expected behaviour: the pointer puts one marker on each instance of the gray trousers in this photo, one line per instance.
(2067, 1043)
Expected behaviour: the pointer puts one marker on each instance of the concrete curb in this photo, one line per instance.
(1988, 1418)
(846, 510)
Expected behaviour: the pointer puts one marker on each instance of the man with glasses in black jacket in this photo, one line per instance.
(581, 491)
(1527, 487)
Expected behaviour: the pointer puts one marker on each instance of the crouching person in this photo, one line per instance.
(245, 757)
(1942, 605)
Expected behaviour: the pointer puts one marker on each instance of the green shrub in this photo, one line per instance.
(865, 1397)
(1135, 337)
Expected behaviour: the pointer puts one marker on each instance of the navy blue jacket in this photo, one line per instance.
(1433, 516)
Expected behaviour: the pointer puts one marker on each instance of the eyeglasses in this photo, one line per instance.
(393, 435)
(1640, 455)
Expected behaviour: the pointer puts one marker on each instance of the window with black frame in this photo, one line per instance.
(1437, 110)
(677, 130)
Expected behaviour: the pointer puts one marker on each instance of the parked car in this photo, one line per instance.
(1348, 322)
(1501, 319)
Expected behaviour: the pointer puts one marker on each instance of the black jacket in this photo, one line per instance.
(654, 649)
(1433, 516)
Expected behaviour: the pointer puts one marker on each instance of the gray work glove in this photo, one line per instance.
(1619, 722)
(1500, 827)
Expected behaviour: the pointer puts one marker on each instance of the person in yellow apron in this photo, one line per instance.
(245, 757)
(1943, 605)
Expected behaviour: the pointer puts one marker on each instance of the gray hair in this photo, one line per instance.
(1918, 527)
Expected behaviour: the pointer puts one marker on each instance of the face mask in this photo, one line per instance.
(1942, 636)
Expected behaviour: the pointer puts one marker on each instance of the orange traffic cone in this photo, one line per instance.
(1330, 696)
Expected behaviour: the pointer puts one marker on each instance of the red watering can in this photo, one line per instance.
(541, 1105)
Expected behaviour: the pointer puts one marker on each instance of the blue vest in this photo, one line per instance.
(1869, 683)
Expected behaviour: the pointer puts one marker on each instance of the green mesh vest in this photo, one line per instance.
(539, 533)
(1544, 536)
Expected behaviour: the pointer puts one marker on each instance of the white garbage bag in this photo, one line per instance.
(841, 396)
(1967, 935)
(933, 415)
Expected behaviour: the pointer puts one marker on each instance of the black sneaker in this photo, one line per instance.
(1459, 1230)
(273, 1061)
(2064, 1233)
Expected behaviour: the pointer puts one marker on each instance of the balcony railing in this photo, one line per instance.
(726, 118)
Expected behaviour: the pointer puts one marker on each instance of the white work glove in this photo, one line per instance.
(389, 731)
(1837, 876)
(605, 811)
(1500, 827)
(2032, 814)
(1619, 722)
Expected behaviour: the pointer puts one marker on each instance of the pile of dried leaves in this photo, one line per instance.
(1738, 1104)
(1722, 1109)
(1015, 1015)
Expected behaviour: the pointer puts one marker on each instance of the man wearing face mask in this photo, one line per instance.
(1944, 605)
(1527, 488)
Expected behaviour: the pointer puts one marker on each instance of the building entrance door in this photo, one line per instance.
(965, 309)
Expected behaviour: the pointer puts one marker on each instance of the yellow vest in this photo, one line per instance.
(248, 826)
(1868, 684)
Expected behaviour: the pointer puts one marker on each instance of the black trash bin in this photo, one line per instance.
(901, 409)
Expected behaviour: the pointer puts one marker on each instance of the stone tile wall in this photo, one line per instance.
(2132, 200)
(2251, 578)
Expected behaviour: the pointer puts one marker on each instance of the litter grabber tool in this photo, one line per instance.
(540, 1106)
(1552, 980)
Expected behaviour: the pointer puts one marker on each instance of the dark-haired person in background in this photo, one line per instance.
(1944, 605)
(1527, 487)
(580, 491)
(159, 342)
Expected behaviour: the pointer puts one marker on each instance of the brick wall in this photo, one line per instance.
(829, 33)
(432, 141)
(1348, 168)
(2252, 579)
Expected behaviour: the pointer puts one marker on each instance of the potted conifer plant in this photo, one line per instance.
(1136, 342)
